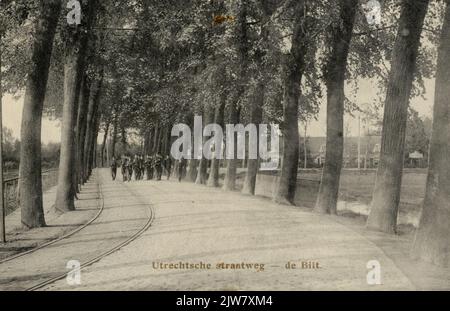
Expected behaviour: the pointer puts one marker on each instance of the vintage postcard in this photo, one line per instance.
(225, 145)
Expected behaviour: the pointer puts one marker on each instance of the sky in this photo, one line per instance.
(367, 93)
(51, 130)
(12, 116)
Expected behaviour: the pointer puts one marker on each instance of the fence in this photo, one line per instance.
(11, 187)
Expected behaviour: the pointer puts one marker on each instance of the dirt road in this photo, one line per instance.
(207, 239)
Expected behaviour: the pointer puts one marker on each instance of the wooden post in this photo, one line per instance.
(305, 153)
(2, 203)
(108, 160)
(359, 141)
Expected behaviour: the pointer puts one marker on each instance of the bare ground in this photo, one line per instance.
(195, 224)
(20, 239)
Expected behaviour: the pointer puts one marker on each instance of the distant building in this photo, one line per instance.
(370, 151)
(416, 159)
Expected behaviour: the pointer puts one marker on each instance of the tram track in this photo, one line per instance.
(144, 228)
(63, 237)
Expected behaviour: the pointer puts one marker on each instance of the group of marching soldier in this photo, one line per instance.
(138, 166)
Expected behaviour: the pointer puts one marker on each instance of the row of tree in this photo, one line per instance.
(11, 152)
(146, 65)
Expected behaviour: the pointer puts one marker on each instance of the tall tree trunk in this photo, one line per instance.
(255, 118)
(165, 150)
(114, 137)
(305, 147)
(432, 242)
(156, 139)
(192, 170)
(81, 125)
(386, 194)
(241, 33)
(256, 113)
(76, 38)
(146, 142)
(94, 98)
(150, 141)
(202, 174)
(93, 154)
(335, 79)
(176, 166)
(123, 136)
(170, 139)
(191, 173)
(30, 182)
(213, 180)
(162, 140)
(89, 133)
(293, 68)
(102, 150)
(65, 190)
(229, 182)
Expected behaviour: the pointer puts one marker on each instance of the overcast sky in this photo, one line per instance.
(12, 116)
(51, 131)
(366, 94)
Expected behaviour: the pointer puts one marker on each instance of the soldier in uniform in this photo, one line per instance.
(130, 169)
(113, 168)
(181, 168)
(158, 166)
(124, 168)
(168, 166)
(136, 167)
(152, 166)
(147, 166)
(141, 167)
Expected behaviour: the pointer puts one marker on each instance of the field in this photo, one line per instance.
(355, 192)
(358, 185)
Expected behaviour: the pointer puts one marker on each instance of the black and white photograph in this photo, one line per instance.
(224, 146)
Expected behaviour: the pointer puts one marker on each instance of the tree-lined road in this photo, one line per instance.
(196, 225)
(231, 63)
(122, 217)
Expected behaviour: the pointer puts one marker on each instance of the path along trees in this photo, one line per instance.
(432, 241)
(252, 61)
(386, 193)
(30, 182)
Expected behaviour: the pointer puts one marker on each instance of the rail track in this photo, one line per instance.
(65, 236)
(149, 220)
(151, 217)
(148, 223)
